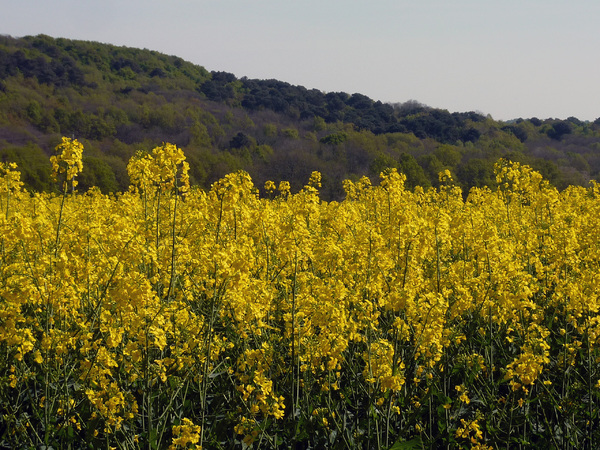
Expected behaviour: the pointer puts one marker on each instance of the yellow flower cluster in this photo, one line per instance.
(11, 178)
(164, 169)
(245, 320)
(185, 434)
(471, 431)
(68, 160)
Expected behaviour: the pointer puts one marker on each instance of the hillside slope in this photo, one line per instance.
(119, 100)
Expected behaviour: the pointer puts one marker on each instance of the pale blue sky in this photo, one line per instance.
(512, 58)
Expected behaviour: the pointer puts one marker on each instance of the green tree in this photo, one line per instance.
(270, 129)
(291, 133)
(97, 172)
(34, 112)
(448, 155)
(200, 136)
(476, 172)
(415, 175)
(382, 162)
(33, 164)
(432, 167)
(334, 138)
(559, 129)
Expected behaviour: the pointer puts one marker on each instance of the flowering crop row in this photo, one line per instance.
(170, 317)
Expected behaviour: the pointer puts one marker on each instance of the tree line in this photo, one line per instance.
(119, 100)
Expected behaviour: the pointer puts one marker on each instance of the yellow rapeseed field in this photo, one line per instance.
(170, 317)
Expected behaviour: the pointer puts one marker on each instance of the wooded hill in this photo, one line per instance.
(118, 100)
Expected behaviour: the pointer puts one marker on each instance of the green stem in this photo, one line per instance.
(60, 214)
(173, 242)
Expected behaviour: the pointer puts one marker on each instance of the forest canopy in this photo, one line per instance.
(119, 100)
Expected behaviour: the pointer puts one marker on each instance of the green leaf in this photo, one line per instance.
(414, 444)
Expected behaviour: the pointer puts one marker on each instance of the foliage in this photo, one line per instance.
(119, 100)
(170, 317)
